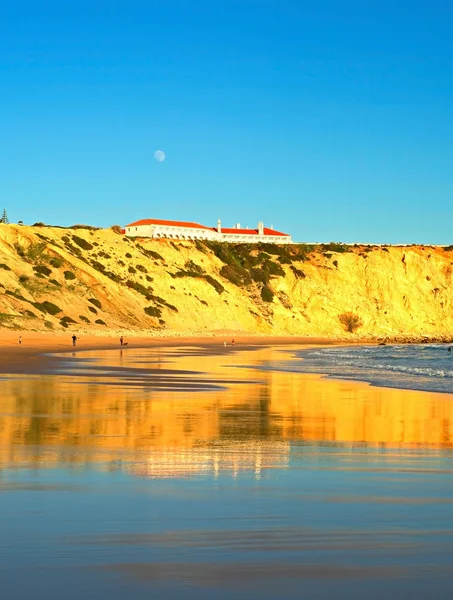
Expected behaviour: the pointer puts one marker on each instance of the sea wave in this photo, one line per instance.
(427, 366)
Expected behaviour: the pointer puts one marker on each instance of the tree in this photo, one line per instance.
(4, 218)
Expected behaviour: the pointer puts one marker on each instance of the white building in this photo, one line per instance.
(181, 230)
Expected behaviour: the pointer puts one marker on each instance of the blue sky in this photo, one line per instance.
(330, 120)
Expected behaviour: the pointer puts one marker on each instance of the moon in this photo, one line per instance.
(159, 155)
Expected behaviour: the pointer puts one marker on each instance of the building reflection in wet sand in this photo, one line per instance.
(194, 411)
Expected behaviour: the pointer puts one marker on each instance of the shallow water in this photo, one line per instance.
(174, 473)
(426, 367)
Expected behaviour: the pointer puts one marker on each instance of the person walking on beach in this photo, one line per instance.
(74, 339)
(20, 340)
(232, 342)
(121, 340)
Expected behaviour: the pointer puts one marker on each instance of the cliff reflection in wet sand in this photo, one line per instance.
(147, 401)
(198, 475)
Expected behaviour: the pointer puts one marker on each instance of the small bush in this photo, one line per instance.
(96, 302)
(100, 322)
(98, 266)
(128, 254)
(93, 310)
(15, 295)
(42, 270)
(65, 321)
(297, 272)
(54, 282)
(215, 284)
(149, 278)
(43, 237)
(153, 311)
(56, 262)
(350, 321)
(335, 247)
(259, 275)
(69, 275)
(274, 268)
(29, 313)
(84, 319)
(132, 270)
(142, 269)
(138, 287)
(116, 228)
(161, 302)
(236, 274)
(149, 253)
(267, 294)
(191, 269)
(81, 242)
(81, 226)
(23, 278)
(47, 307)
(121, 263)
(20, 251)
(4, 267)
(39, 224)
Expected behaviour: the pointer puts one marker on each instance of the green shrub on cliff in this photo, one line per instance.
(47, 307)
(138, 287)
(153, 311)
(82, 243)
(267, 294)
(96, 302)
(42, 270)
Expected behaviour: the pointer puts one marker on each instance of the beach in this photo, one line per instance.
(183, 467)
(29, 355)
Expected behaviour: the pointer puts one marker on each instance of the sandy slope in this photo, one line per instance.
(404, 291)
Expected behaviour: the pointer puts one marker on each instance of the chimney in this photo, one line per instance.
(238, 225)
(260, 228)
(219, 226)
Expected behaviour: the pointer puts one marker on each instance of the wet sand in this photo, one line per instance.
(185, 470)
(29, 357)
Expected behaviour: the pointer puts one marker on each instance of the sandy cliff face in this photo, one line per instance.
(77, 279)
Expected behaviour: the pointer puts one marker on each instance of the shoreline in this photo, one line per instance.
(30, 356)
(36, 353)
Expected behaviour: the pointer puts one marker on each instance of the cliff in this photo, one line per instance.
(98, 280)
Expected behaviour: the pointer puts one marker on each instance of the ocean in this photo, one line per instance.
(427, 367)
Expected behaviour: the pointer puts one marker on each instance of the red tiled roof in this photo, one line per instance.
(266, 231)
(167, 223)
